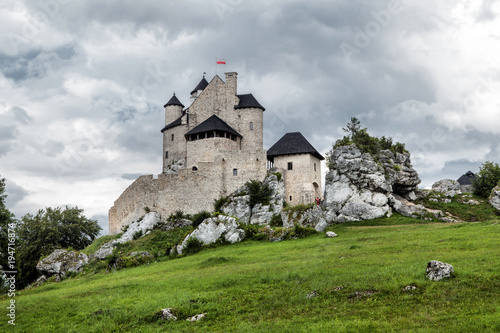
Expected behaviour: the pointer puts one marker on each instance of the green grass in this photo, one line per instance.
(262, 286)
(470, 213)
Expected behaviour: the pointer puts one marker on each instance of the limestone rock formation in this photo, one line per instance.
(145, 226)
(437, 270)
(238, 204)
(313, 217)
(359, 188)
(448, 187)
(197, 317)
(167, 314)
(213, 229)
(60, 262)
(105, 250)
(331, 234)
(495, 197)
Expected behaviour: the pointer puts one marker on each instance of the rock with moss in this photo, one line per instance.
(142, 226)
(437, 270)
(105, 250)
(213, 229)
(60, 262)
(494, 199)
(312, 217)
(448, 187)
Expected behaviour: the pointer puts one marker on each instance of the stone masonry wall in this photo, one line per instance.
(177, 148)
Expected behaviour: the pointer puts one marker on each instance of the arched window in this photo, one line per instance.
(195, 168)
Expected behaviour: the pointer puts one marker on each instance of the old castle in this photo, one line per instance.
(211, 149)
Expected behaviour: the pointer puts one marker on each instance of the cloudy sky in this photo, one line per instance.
(83, 83)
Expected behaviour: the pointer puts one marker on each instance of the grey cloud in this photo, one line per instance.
(15, 193)
(21, 115)
(102, 220)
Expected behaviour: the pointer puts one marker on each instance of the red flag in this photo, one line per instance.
(221, 62)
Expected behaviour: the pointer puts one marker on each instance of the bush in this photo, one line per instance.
(486, 179)
(193, 245)
(276, 221)
(253, 231)
(137, 235)
(200, 217)
(259, 193)
(300, 231)
(179, 214)
(219, 203)
(278, 175)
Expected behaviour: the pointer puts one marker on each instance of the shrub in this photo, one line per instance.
(300, 231)
(200, 217)
(179, 214)
(137, 235)
(278, 175)
(486, 179)
(253, 231)
(193, 245)
(276, 221)
(147, 209)
(259, 193)
(219, 203)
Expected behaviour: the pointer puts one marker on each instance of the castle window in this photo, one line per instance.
(235, 172)
(166, 154)
(314, 166)
(172, 137)
(290, 166)
(251, 125)
(290, 198)
(195, 168)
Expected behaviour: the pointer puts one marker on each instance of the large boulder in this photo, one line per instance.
(495, 197)
(213, 229)
(60, 262)
(313, 217)
(144, 226)
(448, 187)
(238, 204)
(105, 250)
(358, 187)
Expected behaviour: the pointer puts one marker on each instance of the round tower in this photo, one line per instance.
(173, 110)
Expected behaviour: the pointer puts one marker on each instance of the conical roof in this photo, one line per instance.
(291, 144)
(201, 86)
(466, 179)
(248, 101)
(213, 123)
(173, 101)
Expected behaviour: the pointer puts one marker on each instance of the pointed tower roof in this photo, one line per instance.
(201, 86)
(248, 101)
(466, 179)
(291, 144)
(213, 123)
(173, 101)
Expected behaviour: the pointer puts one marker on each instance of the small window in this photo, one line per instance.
(251, 125)
(172, 137)
(290, 165)
(235, 172)
(314, 166)
(290, 198)
(166, 154)
(195, 168)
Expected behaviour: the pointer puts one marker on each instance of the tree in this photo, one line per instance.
(50, 229)
(353, 127)
(486, 179)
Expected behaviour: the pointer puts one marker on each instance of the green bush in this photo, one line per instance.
(276, 221)
(259, 193)
(219, 203)
(299, 231)
(200, 217)
(193, 245)
(252, 231)
(278, 175)
(486, 179)
(137, 235)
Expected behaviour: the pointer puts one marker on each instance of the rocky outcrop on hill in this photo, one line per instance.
(312, 217)
(60, 262)
(361, 187)
(448, 187)
(238, 204)
(213, 229)
(144, 226)
(495, 197)
(358, 187)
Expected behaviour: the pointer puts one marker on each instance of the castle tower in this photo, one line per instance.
(199, 88)
(173, 110)
(174, 147)
(300, 163)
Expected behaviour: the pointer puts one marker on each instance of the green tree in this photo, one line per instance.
(50, 229)
(486, 179)
(352, 127)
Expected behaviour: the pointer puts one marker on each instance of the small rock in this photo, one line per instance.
(338, 288)
(330, 234)
(197, 317)
(166, 314)
(41, 280)
(437, 270)
(410, 287)
(312, 294)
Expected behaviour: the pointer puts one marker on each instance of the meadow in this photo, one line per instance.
(260, 286)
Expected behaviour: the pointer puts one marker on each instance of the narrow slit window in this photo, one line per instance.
(172, 137)
(235, 172)
(166, 154)
(251, 125)
(290, 165)
(314, 166)
(290, 198)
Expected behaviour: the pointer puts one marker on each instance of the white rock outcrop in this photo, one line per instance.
(213, 229)
(448, 187)
(60, 262)
(145, 226)
(495, 197)
(359, 188)
(331, 234)
(313, 217)
(238, 204)
(437, 270)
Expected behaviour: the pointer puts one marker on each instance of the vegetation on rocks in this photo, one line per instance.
(486, 179)
(259, 192)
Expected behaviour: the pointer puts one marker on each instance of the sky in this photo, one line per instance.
(83, 83)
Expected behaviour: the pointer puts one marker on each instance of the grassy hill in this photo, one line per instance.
(254, 286)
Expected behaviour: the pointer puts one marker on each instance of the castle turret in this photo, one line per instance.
(199, 88)
(173, 110)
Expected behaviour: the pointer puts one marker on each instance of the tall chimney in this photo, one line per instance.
(231, 85)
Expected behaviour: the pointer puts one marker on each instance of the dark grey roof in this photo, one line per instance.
(291, 144)
(248, 101)
(173, 101)
(466, 178)
(176, 122)
(213, 123)
(201, 86)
